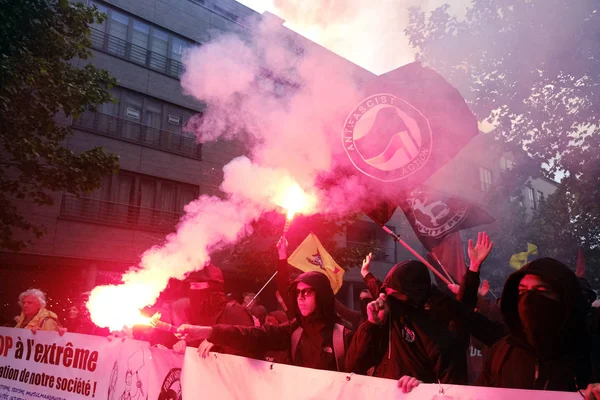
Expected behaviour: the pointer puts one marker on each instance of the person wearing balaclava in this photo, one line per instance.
(548, 346)
(208, 306)
(399, 339)
(313, 339)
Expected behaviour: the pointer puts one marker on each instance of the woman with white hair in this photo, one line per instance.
(34, 315)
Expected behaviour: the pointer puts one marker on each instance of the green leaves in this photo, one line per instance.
(40, 38)
(533, 69)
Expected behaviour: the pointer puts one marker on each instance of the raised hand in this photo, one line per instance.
(378, 310)
(479, 252)
(454, 288)
(364, 270)
(282, 245)
(484, 288)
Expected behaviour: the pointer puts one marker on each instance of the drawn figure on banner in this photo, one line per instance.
(135, 363)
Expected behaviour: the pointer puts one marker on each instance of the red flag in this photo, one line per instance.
(580, 269)
(451, 256)
(382, 213)
(434, 215)
(410, 123)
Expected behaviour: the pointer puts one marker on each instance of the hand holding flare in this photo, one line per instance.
(155, 322)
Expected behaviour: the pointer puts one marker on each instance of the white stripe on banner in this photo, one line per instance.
(227, 377)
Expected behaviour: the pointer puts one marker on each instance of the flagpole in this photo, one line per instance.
(414, 253)
(442, 266)
(261, 289)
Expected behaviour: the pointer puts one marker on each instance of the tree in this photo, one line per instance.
(38, 81)
(532, 68)
(255, 255)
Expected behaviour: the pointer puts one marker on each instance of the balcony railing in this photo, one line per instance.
(132, 131)
(117, 214)
(128, 51)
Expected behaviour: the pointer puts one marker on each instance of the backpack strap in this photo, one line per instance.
(296, 335)
(339, 350)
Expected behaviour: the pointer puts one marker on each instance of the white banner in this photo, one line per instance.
(77, 367)
(227, 377)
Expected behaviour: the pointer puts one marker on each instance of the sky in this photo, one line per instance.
(370, 35)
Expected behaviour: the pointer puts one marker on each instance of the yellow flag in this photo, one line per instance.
(312, 256)
(517, 261)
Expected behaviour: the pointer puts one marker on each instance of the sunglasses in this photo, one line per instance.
(304, 293)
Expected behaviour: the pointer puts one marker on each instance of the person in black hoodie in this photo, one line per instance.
(313, 339)
(400, 339)
(209, 305)
(548, 346)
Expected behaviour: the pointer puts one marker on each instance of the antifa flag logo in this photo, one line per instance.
(435, 217)
(387, 138)
(171, 387)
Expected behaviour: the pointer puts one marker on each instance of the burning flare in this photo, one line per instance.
(117, 307)
(296, 200)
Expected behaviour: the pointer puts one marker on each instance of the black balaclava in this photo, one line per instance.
(206, 303)
(552, 327)
(410, 278)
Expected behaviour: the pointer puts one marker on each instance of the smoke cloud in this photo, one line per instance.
(370, 34)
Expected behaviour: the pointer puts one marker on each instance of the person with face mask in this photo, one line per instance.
(208, 306)
(548, 345)
(313, 339)
(400, 340)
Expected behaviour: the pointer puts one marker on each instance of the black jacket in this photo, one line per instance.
(315, 347)
(513, 363)
(411, 342)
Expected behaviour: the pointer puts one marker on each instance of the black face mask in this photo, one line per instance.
(542, 319)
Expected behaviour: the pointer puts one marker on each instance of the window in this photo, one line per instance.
(145, 120)
(141, 190)
(485, 179)
(160, 46)
(531, 197)
(540, 195)
(140, 37)
(138, 41)
(178, 48)
(117, 30)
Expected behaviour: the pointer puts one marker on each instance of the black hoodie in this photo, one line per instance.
(410, 342)
(315, 348)
(514, 363)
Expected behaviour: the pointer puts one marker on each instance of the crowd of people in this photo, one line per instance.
(542, 334)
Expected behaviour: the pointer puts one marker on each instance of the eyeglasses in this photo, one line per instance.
(304, 293)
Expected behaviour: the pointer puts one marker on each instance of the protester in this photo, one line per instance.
(78, 322)
(259, 313)
(313, 339)
(34, 315)
(209, 306)
(548, 346)
(249, 297)
(400, 339)
(276, 317)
